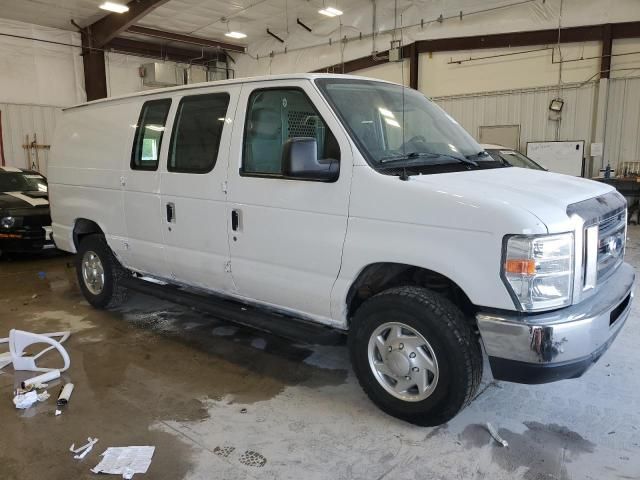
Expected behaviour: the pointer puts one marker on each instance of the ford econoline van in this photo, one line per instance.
(353, 204)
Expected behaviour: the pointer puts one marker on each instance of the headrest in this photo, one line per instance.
(265, 123)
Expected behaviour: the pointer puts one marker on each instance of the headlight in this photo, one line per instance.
(7, 222)
(538, 270)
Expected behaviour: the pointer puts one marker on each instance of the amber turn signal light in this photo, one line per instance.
(520, 266)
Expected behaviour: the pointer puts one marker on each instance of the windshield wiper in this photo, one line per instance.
(416, 155)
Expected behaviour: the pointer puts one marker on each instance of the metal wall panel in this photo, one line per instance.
(21, 120)
(529, 109)
(623, 122)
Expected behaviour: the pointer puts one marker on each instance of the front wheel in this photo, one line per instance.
(415, 355)
(99, 273)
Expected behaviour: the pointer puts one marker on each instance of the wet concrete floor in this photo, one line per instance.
(221, 402)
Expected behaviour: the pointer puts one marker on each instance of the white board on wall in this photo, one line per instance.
(561, 157)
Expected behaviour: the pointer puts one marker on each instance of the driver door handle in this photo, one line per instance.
(171, 212)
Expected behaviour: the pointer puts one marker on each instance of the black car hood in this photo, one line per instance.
(21, 200)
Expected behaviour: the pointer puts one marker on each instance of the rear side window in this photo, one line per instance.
(148, 139)
(273, 117)
(196, 133)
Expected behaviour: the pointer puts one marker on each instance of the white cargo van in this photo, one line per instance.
(349, 203)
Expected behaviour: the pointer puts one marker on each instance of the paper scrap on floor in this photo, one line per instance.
(25, 400)
(125, 461)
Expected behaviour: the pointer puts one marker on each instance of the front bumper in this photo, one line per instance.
(26, 239)
(545, 347)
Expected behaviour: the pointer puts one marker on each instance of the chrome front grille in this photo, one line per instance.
(604, 223)
(611, 242)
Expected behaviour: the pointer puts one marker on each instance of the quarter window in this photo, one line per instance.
(196, 135)
(273, 117)
(149, 131)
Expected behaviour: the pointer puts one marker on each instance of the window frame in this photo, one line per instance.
(136, 137)
(174, 132)
(280, 176)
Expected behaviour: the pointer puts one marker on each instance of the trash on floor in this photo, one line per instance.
(63, 397)
(40, 379)
(125, 461)
(65, 394)
(82, 451)
(24, 400)
(19, 340)
(496, 436)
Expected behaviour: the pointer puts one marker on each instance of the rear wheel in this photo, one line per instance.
(99, 273)
(415, 355)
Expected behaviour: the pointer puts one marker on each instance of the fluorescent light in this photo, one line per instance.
(235, 35)
(330, 12)
(114, 7)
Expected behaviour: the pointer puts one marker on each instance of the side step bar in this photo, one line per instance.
(291, 328)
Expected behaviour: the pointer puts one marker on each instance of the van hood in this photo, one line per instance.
(544, 194)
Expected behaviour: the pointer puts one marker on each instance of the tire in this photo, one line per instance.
(452, 355)
(112, 293)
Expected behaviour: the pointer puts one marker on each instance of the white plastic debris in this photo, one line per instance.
(43, 396)
(125, 461)
(45, 377)
(19, 341)
(496, 436)
(82, 451)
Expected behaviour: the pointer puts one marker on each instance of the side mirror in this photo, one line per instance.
(300, 160)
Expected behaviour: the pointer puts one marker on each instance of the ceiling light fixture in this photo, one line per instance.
(330, 12)
(114, 7)
(235, 35)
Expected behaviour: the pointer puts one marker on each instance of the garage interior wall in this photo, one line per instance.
(517, 89)
(36, 80)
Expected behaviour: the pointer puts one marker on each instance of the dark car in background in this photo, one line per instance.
(25, 222)
(511, 157)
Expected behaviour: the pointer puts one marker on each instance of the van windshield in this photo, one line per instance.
(399, 127)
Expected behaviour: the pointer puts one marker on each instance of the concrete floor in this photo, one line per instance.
(218, 402)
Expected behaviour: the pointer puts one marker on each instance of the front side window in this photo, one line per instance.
(197, 132)
(149, 132)
(395, 126)
(275, 116)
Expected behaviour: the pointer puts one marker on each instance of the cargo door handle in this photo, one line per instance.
(171, 212)
(235, 220)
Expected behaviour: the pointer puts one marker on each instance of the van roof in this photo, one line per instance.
(233, 81)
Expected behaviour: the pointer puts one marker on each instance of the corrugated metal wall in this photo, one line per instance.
(529, 109)
(21, 120)
(623, 121)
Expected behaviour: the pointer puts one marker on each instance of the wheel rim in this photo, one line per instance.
(403, 362)
(92, 272)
